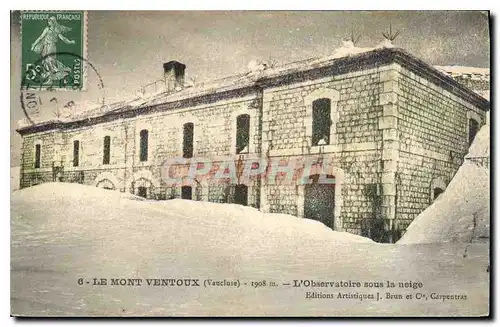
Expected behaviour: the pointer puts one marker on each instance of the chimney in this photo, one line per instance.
(173, 72)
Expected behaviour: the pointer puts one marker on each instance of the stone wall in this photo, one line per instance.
(46, 140)
(355, 151)
(30, 175)
(478, 85)
(214, 139)
(433, 140)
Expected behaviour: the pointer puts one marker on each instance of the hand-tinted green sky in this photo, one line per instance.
(128, 48)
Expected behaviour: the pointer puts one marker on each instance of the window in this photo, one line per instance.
(473, 129)
(437, 187)
(321, 122)
(242, 133)
(143, 155)
(319, 200)
(142, 191)
(76, 153)
(38, 153)
(437, 192)
(106, 150)
(187, 140)
(186, 192)
(241, 194)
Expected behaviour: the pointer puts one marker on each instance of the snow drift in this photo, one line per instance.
(85, 207)
(62, 234)
(462, 212)
(481, 145)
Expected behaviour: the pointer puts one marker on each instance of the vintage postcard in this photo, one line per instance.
(250, 164)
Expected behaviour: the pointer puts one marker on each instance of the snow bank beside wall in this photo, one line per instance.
(75, 205)
(481, 145)
(462, 212)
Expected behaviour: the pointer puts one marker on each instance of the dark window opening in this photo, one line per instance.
(226, 195)
(242, 133)
(473, 129)
(38, 153)
(187, 141)
(319, 200)
(76, 153)
(241, 194)
(186, 192)
(321, 122)
(437, 192)
(257, 202)
(107, 147)
(142, 191)
(144, 135)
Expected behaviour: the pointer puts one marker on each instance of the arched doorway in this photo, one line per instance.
(107, 181)
(106, 184)
(143, 188)
(319, 201)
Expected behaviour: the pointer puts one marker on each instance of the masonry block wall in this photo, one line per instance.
(433, 140)
(214, 139)
(354, 154)
(30, 175)
(479, 85)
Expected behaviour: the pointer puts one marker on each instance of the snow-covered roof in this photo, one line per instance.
(474, 73)
(259, 72)
(476, 78)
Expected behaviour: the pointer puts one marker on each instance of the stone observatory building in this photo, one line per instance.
(390, 129)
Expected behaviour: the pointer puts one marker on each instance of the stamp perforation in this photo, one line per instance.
(47, 40)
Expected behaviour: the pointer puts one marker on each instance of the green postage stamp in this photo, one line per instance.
(53, 49)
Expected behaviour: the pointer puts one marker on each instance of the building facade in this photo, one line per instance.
(391, 129)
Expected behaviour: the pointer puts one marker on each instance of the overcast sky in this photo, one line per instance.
(128, 48)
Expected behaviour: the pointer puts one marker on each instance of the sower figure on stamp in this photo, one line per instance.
(45, 45)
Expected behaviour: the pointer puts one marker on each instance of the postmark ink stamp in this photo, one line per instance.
(37, 101)
(45, 36)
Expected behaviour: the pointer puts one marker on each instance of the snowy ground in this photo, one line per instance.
(63, 232)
